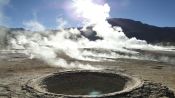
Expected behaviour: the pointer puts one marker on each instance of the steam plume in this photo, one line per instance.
(34, 25)
(56, 47)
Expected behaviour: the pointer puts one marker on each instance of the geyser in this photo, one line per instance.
(49, 45)
(86, 84)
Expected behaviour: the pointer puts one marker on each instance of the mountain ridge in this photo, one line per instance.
(132, 28)
(150, 33)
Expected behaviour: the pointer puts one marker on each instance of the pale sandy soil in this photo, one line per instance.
(16, 72)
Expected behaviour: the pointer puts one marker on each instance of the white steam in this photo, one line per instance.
(34, 25)
(3, 34)
(53, 48)
(64, 48)
(61, 23)
(91, 12)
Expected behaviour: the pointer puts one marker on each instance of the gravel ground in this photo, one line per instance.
(16, 71)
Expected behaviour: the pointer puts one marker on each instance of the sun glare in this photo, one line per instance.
(92, 12)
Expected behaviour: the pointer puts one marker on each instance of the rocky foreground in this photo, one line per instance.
(16, 70)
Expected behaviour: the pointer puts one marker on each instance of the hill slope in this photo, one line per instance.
(143, 31)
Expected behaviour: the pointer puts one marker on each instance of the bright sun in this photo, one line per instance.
(92, 12)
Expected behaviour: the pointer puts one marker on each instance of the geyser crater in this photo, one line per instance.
(84, 84)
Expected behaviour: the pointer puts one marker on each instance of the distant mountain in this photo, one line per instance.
(150, 33)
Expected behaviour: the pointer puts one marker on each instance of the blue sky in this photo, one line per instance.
(14, 13)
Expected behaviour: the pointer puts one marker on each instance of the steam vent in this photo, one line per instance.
(83, 84)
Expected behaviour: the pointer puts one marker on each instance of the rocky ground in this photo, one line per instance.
(17, 70)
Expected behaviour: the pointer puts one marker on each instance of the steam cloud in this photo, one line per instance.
(56, 47)
(34, 25)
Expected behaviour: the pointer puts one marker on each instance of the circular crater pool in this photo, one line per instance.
(87, 84)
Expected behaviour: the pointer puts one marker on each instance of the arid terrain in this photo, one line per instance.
(16, 70)
(114, 49)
